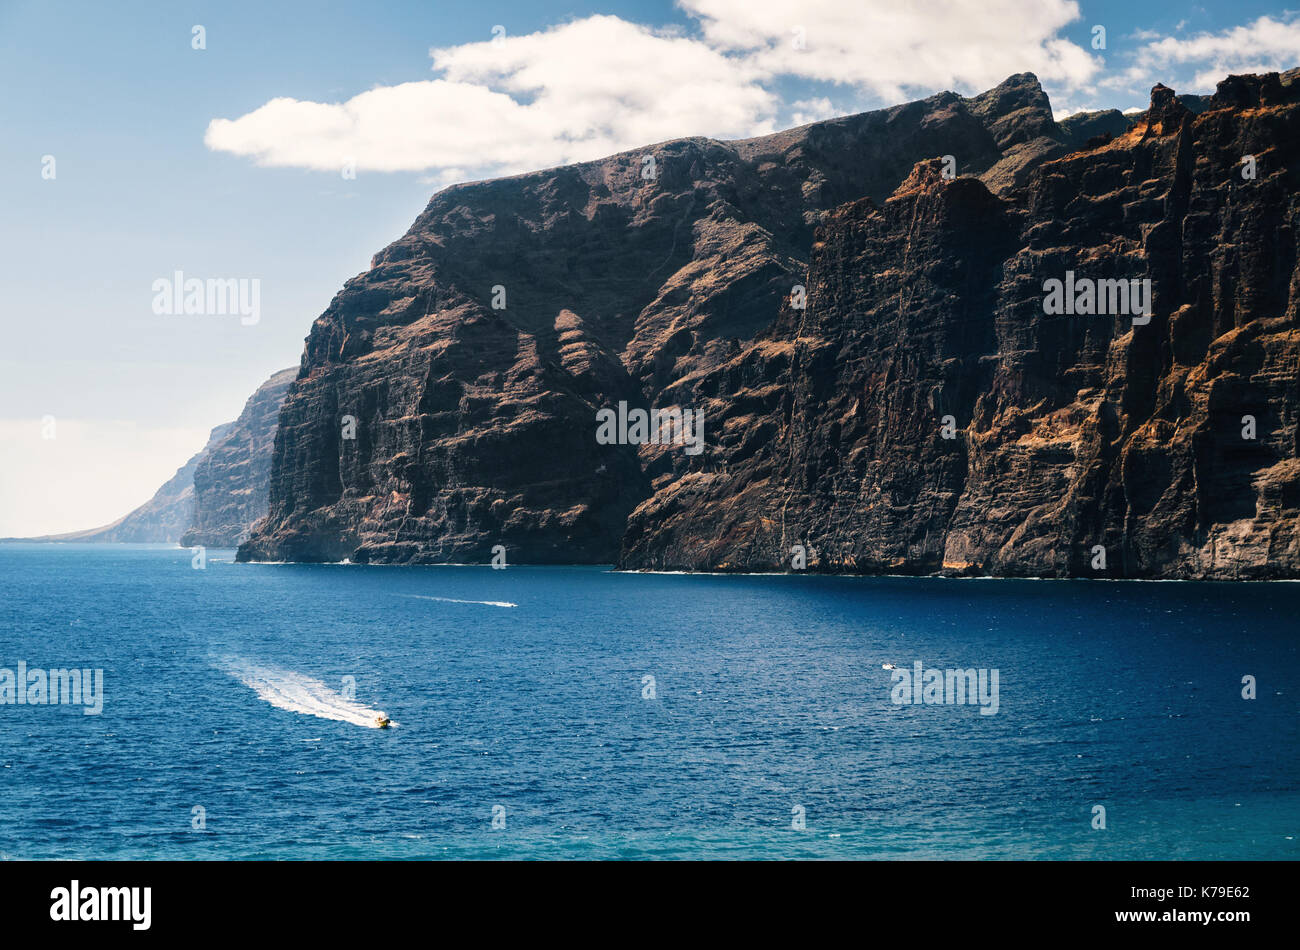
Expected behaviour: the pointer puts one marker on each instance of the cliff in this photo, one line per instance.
(613, 281)
(920, 413)
(1170, 445)
(231, 480)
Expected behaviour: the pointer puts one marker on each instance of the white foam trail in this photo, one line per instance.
(298, 693)
(453, 600)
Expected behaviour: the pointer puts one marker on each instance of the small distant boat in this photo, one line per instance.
(382, 722)
(888, 666)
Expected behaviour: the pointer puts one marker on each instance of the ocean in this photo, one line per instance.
(587, 713)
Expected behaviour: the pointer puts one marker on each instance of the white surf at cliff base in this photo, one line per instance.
(299, 693)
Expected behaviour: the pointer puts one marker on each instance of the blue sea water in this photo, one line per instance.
(769, 699)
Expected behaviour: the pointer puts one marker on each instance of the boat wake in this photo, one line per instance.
(299, 693)
(453, 600)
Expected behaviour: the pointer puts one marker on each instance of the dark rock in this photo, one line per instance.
(823, 426)
(475, 425)
(1072, 431)
(1082, 129)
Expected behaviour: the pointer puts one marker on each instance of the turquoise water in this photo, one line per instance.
(768, 696)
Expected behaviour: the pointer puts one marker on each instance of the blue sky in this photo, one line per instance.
(227, 161)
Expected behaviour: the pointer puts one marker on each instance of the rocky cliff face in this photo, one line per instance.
(1078, 444)
(915, 410)
(475, 353)
(232, 479)
(215, 497)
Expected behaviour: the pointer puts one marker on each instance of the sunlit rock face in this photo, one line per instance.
(1080, 445)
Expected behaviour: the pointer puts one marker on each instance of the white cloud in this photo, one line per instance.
(575, 92)
(894, 49)
(1196, 63)
(805, 111)
(599, 85)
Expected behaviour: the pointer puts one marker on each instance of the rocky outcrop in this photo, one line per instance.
(880, 382)
(1088, 129)
(232, 478)
(1077, 445)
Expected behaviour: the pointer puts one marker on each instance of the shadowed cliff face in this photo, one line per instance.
(827, 426)
(1072, 434)
(613, 281)
(231, 479)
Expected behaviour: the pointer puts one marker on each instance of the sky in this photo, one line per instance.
(285, 143)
